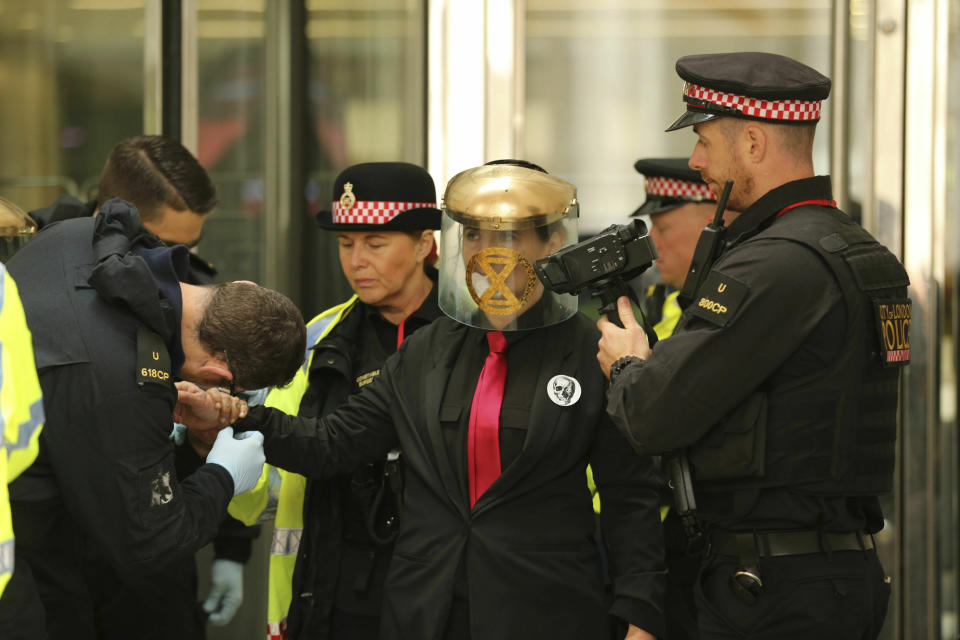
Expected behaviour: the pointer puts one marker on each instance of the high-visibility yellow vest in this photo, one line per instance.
(21, 409)
(671, 313)
(282, 490)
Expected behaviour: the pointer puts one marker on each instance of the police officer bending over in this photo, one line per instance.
(778, 390)
(101, 509)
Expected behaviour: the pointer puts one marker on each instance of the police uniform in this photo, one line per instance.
(178, 584)
(101, 511)
(516, 560)
(780, 384)
(21, 418)
(670, 183)
(340, 531)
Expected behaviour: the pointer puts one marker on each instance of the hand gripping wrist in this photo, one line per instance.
(241, 455)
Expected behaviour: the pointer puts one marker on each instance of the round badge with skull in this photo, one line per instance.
(563, 390)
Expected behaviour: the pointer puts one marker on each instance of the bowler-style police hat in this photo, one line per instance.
(750, 85)
(669, 183)
(384, 196)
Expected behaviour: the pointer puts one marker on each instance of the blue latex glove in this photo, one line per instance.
(226, 591)
(179, 433)
(241, 455)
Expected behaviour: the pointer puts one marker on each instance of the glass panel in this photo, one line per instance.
(948, 445)
(231, 50)
(601, 85)
(71, 86)
(367, 72)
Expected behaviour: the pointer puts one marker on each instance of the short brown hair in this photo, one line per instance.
(151, 172)
(260, 331)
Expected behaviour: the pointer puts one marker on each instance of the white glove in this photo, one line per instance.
(226, 592)
(179, 433)
(241, 455)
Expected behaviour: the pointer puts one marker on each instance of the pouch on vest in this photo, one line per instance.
(734, 448)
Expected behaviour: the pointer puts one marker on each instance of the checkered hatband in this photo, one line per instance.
(783, 110)
(674, 188)
(374, 211)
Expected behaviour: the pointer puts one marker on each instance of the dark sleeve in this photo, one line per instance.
(115, 467)
(629, 488)
(360, 431)
(234, 540)
(704, 370)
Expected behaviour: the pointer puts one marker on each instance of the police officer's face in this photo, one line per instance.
(717, 157)
(177, 227)
(675, 234)
(382, 266)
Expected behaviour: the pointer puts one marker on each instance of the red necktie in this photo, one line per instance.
(483, 437)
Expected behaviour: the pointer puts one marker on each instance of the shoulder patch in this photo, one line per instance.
(719, 298)
(893, 317)
(153, 360)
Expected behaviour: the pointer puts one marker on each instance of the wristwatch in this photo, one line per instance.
(621, 364)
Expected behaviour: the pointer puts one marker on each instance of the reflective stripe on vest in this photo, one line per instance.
(286, 541)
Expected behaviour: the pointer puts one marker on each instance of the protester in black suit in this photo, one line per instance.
(496, 540)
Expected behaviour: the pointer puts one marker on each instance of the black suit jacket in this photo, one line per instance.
(531, 565)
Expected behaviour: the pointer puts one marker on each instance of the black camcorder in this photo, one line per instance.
(604, 264)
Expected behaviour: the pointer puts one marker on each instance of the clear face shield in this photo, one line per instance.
(16, 229)
(498, 220)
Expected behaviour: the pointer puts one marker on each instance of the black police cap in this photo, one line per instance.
(382, 196)
(670, 183)
(750, 85)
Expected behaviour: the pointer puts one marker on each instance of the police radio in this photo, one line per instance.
(707, 251)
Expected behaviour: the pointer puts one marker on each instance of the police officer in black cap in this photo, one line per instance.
(778, 392)
(330, 580)
(679, 205)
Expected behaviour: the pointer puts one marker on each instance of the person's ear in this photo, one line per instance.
(424, 245)
(216, 368)
(754, 141)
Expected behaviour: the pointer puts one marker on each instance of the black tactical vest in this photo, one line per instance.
(834, 432)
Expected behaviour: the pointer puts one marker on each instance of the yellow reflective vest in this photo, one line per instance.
(21, 409)
(280, 493)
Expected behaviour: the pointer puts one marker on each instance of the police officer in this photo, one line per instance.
(498, 409)
(678, 204)
(779, 386)
(101, 511)
(340, 532)
(172, 193)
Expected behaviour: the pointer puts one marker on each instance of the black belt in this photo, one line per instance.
(788, 543)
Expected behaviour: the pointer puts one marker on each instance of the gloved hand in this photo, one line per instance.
(226, 591)
(179, 433)
(241, 455)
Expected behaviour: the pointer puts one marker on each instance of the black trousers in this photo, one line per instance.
(679, 610)
(818, 595)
